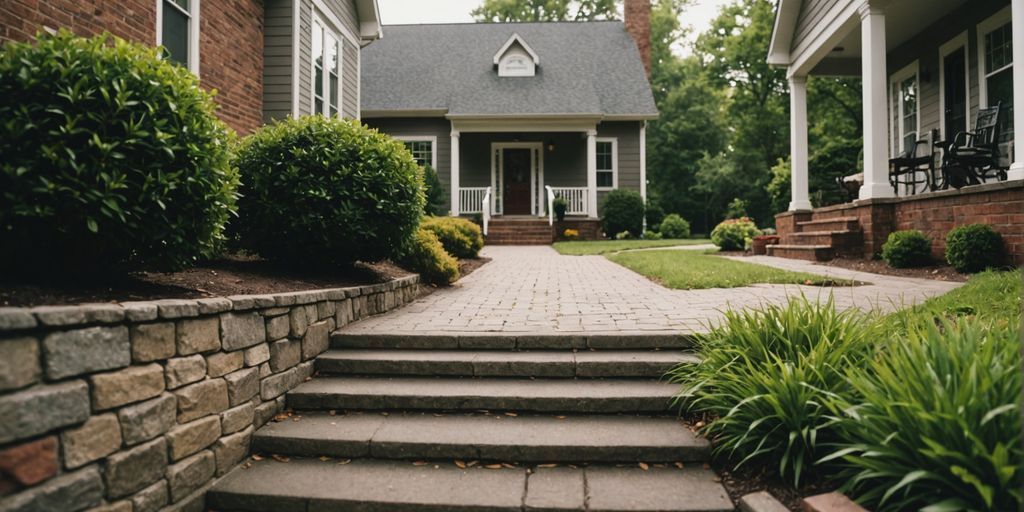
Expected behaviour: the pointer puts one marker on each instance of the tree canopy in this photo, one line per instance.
(545, 10)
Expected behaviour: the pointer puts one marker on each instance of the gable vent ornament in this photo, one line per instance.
(516, 58)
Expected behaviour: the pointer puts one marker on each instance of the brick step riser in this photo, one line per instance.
(520, 453)
(808, 254)
(328, 401)
(511, 342)
(834, 240)
(521, 242)
(567, 370)
(828, 225)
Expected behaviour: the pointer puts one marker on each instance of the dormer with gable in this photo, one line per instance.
(516, 58)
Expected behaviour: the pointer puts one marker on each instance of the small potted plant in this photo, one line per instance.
(560, 205)
(760, 243)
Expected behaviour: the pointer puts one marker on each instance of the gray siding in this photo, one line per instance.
(350, 80)
(305, 59)
(277, 60)
(345, 11)
(432, 127)
(812, 14)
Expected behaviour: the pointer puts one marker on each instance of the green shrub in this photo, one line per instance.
(426, 256)
(734, 234)
(651, 235)
(109, 156)
(623, 210)
(764, 377)
(560, 205)
(974, 247)
(907, 249)
(654, 214)
(736, 209)
(436, 199)
(937, 422)
(624, 235)
(326, 191)
(674, 226)
(460, 237)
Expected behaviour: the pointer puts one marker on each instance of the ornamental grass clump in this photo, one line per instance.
(111, 158)
(765, 377)
(326, 191)
(936, 423)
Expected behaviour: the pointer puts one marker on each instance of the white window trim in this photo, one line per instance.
(615, 162)
(193, 31)
(949, 47)
(987, 25)
(422, 138)
(317, 18)
(896, 106)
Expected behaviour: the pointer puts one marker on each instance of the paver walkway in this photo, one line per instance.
(534, 289)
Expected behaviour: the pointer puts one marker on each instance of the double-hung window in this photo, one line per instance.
(905, 111)
(326, 69)
(995, 44)
(422, 149)
(607, 163)
(177, 30)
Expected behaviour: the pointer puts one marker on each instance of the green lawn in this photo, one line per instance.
(994, 296)
(586, 248)
(688, 270)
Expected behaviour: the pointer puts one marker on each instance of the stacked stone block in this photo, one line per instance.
(139, 406)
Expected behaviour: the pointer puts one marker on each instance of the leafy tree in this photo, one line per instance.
(504, 11)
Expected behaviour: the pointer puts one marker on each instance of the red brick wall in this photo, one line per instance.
(230, 46)
(637, 14)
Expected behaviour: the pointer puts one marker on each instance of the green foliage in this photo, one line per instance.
(737, 208)
(623, 210)
(436, 198)
(651, 235)
(910, 248)
(974, 247)
(936, 422)
(674, 226)
(623, 235)
(560, 205)
(460, 237)
(734, 234)
(327, 191)
(109, 156)
(765, 376)
(653, 214)
(426, 256)
(507, 11)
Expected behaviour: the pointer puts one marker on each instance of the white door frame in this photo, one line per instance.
(536, 173)
(960, 41)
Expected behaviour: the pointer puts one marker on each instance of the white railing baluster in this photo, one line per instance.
(575, 196)
(471, 198)
(551, 204)
(485, 208)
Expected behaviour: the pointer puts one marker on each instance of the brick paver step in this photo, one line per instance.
(494, 363)
(477, 436)
(421, 393)
(802, 252)
(510, 341)
(396, 486)
(833, 224)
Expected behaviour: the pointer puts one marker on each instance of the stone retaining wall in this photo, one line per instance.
(139, 406)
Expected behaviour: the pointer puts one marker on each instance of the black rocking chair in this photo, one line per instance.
(912, 169)
(972, 158)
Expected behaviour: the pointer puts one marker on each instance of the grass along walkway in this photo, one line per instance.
(690, 270)
(587, 248)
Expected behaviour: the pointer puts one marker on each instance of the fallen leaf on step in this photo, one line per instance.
(257, 456)
(507, 465)
(472, 463)
(493, 466)
(384, 414)
(460, 464)
(344, 461)
(680, 465)
(419, 463)
(707, 466)
(279, 458)
(559, 417)
(511, 414)
(547, 465)
(716, 479)
(332, 412)
(324, 458)
(644, 466)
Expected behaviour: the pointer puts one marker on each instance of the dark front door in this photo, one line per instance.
(955, 84)
(516, 165)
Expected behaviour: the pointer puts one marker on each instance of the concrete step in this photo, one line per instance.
(511, 341)
(398, 486)
(491, 363)
(829, 238)
(544, 395)
(832, 224)
(497, 437)
(801, 252)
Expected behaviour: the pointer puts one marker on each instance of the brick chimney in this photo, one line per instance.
(638, 24)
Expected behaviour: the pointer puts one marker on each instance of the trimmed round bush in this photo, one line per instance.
(733, 234)
(110, 157)
(651, 235)
(910, 248)
(326, 191)
(623, 210)
(674, 226)
(460, 237)
(426, 256)
(974, 247)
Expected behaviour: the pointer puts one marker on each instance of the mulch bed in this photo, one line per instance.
(937, 272)
(739, 483)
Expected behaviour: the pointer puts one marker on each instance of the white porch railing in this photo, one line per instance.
(551, 205)
(471, 199)
(485, 208)
(575, 196)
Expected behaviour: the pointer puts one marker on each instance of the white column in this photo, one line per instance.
(1017, 21)
(798, 143)
(876, 131)
(454, 177)
(643, 160)
(592, 174)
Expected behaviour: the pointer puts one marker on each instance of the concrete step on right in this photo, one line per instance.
(372, 485)
(606, 396)
(484, 437)
(500, 363)
(512, 341)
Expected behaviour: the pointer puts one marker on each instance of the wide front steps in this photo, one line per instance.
(821, 240)
(519, 232)
(481, 422)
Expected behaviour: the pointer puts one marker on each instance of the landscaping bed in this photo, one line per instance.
(936, 272)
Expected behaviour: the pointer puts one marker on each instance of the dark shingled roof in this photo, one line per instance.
(590, 68)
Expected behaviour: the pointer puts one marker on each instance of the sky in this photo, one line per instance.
(394, 12)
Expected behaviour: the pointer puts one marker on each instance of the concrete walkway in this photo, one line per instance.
(535, 290)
